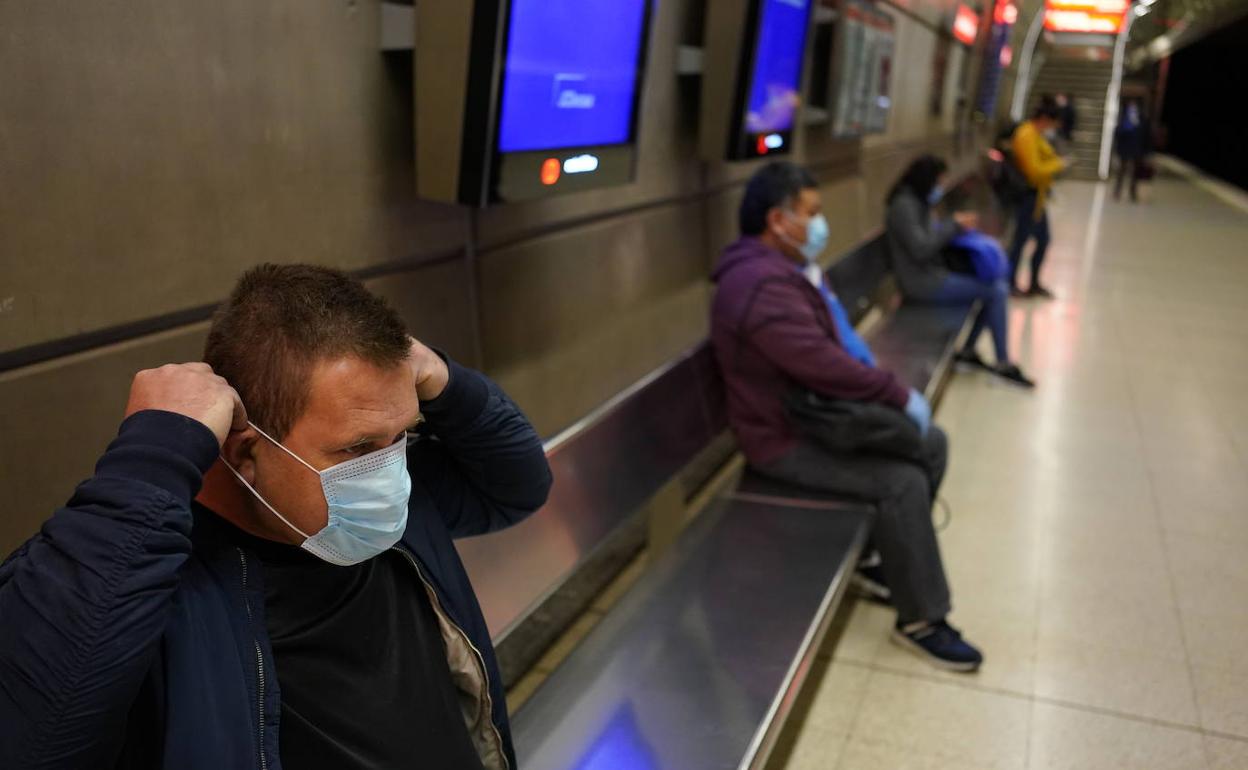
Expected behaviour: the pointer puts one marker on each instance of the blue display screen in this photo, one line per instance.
(777, 74)
(570, 74)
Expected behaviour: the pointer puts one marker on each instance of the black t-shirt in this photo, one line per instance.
(361, 665)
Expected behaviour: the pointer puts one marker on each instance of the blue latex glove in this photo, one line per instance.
(918, 410)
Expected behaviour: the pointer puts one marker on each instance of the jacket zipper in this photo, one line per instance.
(264, 762)
(485, 673)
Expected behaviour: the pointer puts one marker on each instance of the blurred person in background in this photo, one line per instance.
(1068, 118)
(1039, 163)
(777, 329)
(1131, 145)
(918, 242)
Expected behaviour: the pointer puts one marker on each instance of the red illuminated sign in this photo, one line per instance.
(762, 147)
(1005, 13)
(1087, 16)
(551, 169)
(966, 25)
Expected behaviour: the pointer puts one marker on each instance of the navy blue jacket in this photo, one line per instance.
(132, 630)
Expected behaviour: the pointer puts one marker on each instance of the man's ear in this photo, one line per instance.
(239, 451)
(775, 220)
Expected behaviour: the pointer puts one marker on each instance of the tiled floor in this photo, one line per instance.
(1099, 546)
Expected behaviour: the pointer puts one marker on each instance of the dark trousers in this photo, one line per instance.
(1134, 163)
(1026, 227)
(960, 289)
(903, 493)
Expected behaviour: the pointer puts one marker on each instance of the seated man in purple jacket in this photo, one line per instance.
(776, 326)
(260, 574)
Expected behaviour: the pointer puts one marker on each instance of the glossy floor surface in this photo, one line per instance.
(1098, 549)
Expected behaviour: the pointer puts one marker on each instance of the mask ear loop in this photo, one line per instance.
(243, 481)
(252, 489)
(785, 236)
(278, 444)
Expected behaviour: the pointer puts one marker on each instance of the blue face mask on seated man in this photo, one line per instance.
(367, 498)
(817, 233)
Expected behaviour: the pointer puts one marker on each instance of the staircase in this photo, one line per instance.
(1086, 82)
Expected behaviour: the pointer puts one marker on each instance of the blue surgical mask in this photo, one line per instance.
(367, 498)
(817, 233)
(935, 195)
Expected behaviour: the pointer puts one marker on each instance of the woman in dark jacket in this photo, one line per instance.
(917, 241)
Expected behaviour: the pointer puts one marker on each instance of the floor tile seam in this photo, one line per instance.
(1172, 583)
(1241, 451)
(962, 684)
(1038, 609)
(857, 712)
(1103, 648)
(1225, 736)
(1034, 698)
(840, 752)
(1088, 708)
(905, 749)
(1174, 591)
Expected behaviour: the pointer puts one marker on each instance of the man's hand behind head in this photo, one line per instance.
(191, 390)
(430, 371)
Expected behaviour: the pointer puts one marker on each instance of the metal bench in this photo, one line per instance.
(914, 340)
(700, 662)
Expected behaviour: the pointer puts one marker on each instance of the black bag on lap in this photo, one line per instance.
(854, 427)
(957, 260)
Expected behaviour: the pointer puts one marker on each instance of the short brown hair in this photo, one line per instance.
(280, 320)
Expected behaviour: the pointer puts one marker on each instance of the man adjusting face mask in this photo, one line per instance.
(220, 579)
(367, 500)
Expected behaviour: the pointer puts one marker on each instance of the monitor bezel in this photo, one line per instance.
(508, 176)
(742, 143)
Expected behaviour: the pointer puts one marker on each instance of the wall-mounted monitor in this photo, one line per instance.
(864, 51)
(752, 76)
(523, 99)
(820, 84)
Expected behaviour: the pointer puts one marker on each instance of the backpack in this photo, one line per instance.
(1002, 173)
(977, 254)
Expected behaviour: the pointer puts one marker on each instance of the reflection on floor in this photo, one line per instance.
(1099, 546)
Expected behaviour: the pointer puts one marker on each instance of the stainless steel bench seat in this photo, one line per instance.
(698, 664)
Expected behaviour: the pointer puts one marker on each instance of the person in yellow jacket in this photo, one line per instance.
(1039, 163)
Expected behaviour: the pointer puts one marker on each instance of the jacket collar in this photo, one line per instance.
(750, 250)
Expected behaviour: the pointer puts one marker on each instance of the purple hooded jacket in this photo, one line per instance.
(771, 330)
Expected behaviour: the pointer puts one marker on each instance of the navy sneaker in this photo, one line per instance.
(868, 580)
(969, 359)
(1014, 376)
(941, 645)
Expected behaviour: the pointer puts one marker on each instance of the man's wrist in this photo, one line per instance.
(163, 449)
(461, 401)
(435, 385)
